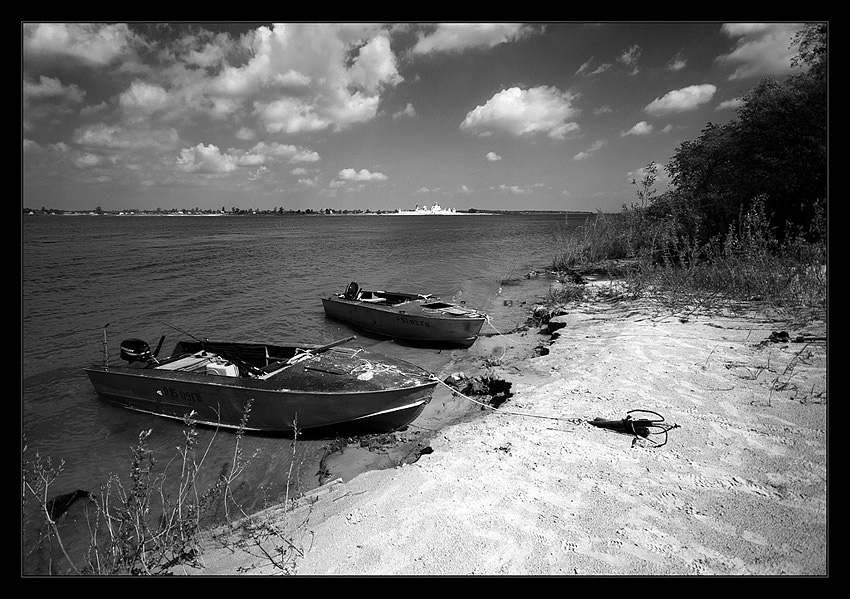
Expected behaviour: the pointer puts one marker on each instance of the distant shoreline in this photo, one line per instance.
(472, 212)
(412, 213)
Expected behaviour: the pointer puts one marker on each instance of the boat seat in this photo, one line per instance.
(374, 300)
(456, 311)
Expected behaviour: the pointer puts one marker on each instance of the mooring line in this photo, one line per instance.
(504, 349)
(511, 412)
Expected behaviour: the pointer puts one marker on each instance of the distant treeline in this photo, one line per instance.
(274, 212)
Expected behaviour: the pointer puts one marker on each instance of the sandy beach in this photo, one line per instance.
(738, 486)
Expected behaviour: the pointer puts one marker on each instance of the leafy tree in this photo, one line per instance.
(646, 186)
(776, 149)
(811, 42)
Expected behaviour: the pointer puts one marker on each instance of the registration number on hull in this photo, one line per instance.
(191, 396)
(412, 321)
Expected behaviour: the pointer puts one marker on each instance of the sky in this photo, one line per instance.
(358, 116)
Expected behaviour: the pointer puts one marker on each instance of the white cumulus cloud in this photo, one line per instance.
(349, 174)
(520, 112)
(88, 43)
(641, 128)
(454, 37)
(762, 49)
(408, 110)
(730, 104)
(310, 77)
(51, 88)
(143, 97)
(589, 151)
(206, 159)
(682, 100)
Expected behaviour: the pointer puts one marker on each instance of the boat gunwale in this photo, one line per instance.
(396, 309)
(416, 405)
(260, 384)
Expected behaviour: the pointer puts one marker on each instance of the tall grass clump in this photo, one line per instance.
(753, 263)
(619, 242)
(662, 259)
(149, 523)
(600, 238)
(135, 525)
(663, 249)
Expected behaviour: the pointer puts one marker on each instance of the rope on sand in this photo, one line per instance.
(504, 349)
(640, 429)
(510, 412)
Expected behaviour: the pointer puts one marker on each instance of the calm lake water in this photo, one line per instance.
(251, 278)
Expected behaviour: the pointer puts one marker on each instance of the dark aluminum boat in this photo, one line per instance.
(267, 388)
(406, 316)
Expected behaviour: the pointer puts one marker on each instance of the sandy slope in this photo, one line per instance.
(740, 487)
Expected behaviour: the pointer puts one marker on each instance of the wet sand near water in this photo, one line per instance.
(507, 313)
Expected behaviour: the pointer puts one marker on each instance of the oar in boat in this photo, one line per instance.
(317, 350)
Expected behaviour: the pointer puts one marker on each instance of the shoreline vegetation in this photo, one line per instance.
(703, 309)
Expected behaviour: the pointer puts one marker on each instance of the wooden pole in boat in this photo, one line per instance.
(327, 346)
(307, 353)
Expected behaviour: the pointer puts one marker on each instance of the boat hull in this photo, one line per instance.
(356, 392)
(407, 321)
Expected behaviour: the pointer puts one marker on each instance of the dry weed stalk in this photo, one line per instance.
(154, 524)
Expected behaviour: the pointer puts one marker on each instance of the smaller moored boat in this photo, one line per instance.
(263, 387)
(406, 316)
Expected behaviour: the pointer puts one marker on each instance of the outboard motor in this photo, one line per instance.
(351, 291)
(135, 350)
